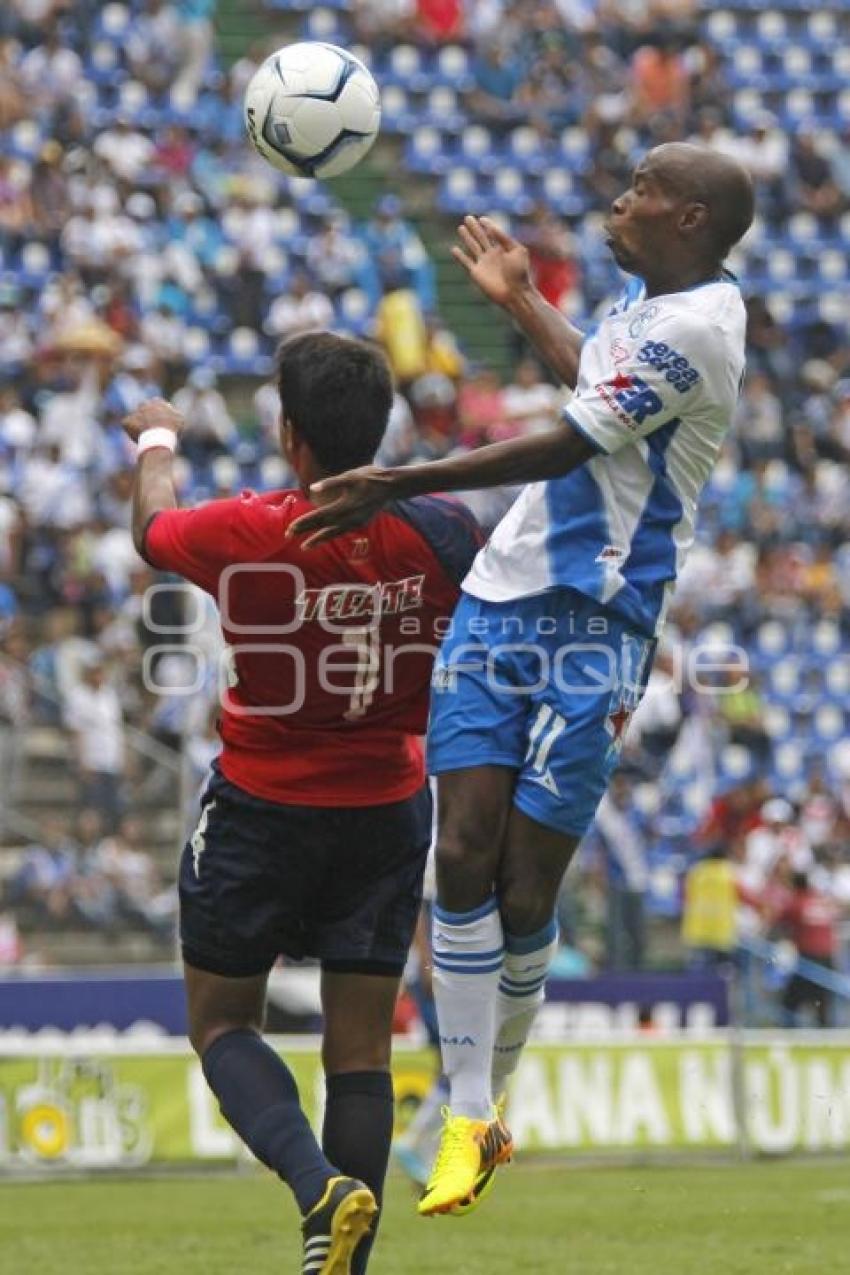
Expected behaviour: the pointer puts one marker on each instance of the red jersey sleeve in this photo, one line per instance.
(195, 543)
(200, 543)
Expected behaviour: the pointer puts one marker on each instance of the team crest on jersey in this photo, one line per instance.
(619, 351)
(642, 320)
(630, 398)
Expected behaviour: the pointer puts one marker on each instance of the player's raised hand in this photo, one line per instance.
(154, 414)
(495, 261)
(345, 501)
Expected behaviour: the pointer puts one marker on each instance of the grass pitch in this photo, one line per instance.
(759, 1219)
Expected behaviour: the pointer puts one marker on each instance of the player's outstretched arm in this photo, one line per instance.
(348, 500)
(153, 488)
(498, 265)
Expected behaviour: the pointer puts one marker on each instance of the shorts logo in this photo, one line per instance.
(642, 320)
(457, 1040)
(548, 727)
(198, 841)
(611, 553)
(630, 398)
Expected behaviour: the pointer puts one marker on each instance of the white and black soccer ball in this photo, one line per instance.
(312, 110)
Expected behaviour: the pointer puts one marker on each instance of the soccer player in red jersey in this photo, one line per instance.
(315, 826)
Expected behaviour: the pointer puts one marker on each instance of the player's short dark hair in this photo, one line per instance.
(337, 392)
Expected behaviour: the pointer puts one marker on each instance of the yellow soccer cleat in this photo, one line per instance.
(469, 1151)
(484, 1181)
(335, 1226)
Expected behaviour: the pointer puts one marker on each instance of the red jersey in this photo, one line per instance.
(329, 649)
(810, 918)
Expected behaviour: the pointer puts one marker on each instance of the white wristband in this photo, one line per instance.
(159, 436)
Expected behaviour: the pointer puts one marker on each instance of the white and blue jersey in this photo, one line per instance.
(657, 387)
(552, 642)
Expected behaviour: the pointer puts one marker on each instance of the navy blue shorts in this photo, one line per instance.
(259, 880)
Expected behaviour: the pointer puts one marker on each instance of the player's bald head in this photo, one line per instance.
(699, 175)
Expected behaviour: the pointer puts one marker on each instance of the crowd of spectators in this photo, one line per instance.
(146, 249)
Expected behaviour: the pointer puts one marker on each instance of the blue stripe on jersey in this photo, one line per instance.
(651, 564)
(447, 527)
(578, 526)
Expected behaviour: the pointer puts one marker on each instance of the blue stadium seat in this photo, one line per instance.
(512, 192)
(406, 66)
(427, 152)
(527, 150)
(476, 148)
(460, 193)
(442, 110)
(560, 190)
(397, 113)
(453, 69)
(325, 24)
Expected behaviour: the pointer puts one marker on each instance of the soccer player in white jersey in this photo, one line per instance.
(553, 639)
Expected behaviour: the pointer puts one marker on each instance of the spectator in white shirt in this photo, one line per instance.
(94, 716)
(302, 309)
(209, 429)
(530, 403)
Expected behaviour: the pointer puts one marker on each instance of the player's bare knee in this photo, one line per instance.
(524, 908)
(203, 1035)
(465, 870)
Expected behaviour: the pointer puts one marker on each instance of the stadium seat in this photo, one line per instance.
(459, 193)
(427, 152)
(511, 192)
(406, 67)
(828, 723)
(476, 148)
(25, 139)
(396, 112)
(443, 110)
(721, 26)
(113, 22)
(324, 24)
(785, 678)
(820, 27)
(777, 722)
(788, 761)
(452, 68)
(527, 150)
(736, 762)
(559, 189)
(574, 149)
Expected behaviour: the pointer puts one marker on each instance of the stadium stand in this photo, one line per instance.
(144, 248)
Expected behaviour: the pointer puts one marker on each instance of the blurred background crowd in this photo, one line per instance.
(145, 249)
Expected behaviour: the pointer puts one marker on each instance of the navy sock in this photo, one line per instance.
(357, 1133)
(258, 1096)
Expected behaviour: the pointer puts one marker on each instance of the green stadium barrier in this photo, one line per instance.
(91, 1104)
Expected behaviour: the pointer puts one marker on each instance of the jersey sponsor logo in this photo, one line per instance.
(361, 601)
(642, 320)
(677, 370)
(630, 398)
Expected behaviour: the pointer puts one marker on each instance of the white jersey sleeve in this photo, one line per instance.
(630, 393)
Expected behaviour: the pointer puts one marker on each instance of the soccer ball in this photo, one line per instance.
(312, 110)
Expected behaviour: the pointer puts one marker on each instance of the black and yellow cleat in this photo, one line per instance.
(463, 1171)
(335, 1226)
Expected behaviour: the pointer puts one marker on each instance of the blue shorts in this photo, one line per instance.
(545, 685)
(259, 880)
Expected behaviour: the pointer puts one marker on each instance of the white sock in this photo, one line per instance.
(521, 993)
(468, 951)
